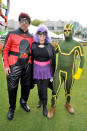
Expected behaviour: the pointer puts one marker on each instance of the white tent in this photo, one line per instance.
(32, 30)
(79, 40)
(53, 35)
(61, 36)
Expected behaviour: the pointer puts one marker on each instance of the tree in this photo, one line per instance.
(36, 22)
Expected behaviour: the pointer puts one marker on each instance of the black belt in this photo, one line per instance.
(23, 55)
(13, 53)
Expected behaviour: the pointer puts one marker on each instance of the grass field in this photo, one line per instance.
(34, 120)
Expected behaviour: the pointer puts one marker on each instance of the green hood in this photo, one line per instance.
(69, 28)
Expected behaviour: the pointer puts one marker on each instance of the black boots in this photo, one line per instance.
(10, 114)
(45, 111)
(24, 105)
(39, 104)
(44, 103)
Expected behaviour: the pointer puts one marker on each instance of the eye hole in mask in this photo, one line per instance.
(67, 30)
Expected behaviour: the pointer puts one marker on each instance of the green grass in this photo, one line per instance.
(34, 120)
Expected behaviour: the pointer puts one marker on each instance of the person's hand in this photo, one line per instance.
(51, 79)
(7, 71)
(78, 74)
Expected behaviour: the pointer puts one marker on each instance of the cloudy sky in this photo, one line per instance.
(66, 10)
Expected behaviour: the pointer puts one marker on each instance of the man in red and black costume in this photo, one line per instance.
(17, 63)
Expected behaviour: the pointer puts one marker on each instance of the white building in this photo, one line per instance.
(56, 26)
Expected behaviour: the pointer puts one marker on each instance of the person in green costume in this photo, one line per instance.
(68, 50)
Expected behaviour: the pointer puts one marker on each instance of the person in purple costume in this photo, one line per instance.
(44, 62)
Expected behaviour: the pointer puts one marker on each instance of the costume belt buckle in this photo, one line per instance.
(24, 55)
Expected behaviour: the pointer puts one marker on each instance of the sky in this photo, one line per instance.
(54, 10)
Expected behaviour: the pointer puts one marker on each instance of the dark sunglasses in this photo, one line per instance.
(67, 30)
(42, 33)
(24, 20)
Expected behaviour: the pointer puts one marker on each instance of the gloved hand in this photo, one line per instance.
(51, 79)
(78, 74)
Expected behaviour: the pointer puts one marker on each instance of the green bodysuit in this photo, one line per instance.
(67, 49)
